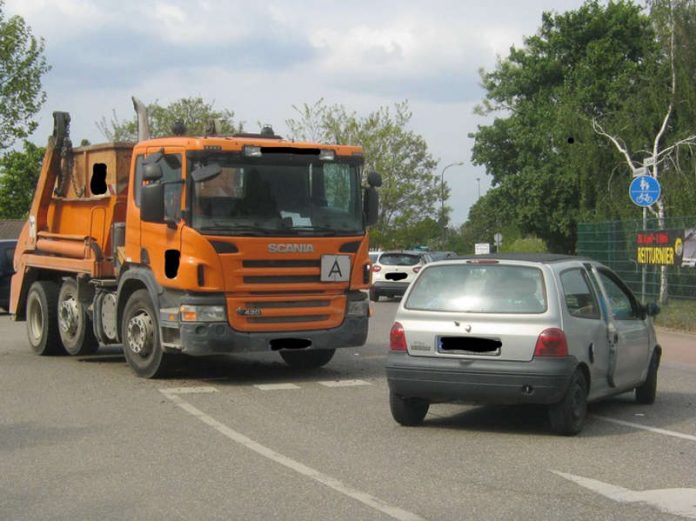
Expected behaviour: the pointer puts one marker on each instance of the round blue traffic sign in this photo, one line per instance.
(645, 190)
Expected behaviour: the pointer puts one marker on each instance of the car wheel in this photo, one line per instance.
(647, 392)
(307, 359)
(42, 319)
(374, 296)
(567, 417)
(141, 341)
(408, 411)
(74, 324)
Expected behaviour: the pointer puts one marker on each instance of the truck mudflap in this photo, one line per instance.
(209, 338)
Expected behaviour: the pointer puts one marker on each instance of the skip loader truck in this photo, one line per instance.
(196, 246)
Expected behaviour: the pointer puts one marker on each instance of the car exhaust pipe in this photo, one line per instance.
(143, 123)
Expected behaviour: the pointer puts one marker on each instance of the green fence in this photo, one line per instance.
(615, 244)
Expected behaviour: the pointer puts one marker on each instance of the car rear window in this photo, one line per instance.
(399, 259)
(479, 289)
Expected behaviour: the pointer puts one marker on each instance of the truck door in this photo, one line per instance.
(628, 333)
(161, 242)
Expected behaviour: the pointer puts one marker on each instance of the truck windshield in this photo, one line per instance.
(279, 198)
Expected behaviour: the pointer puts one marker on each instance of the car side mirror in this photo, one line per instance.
(652, 309)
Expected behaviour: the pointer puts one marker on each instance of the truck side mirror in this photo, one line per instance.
(374, 179)
(152, 203)
(371, 205)
(152, 171)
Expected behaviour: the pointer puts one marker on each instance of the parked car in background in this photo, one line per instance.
(434, 256)
(7, 248)
(393, 271)
(512, 329)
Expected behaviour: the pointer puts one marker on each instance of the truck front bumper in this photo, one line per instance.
(210, 338)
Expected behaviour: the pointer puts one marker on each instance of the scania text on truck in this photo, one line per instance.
(196, 246)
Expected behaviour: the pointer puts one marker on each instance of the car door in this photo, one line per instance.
(585, 327)
(628, 331)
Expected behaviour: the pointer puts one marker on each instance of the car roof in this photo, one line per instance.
(541, 258)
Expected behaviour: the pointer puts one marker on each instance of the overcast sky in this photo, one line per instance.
(259, 58)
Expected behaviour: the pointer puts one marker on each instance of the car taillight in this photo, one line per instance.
(416, 269)
(397, 338)
(376, 267)
(551, 342)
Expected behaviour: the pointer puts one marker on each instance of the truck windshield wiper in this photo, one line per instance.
(318, 230)
(235, 229)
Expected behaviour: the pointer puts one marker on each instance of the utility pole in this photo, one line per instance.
(442, 199)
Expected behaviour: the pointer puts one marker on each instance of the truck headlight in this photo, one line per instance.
(190, 313)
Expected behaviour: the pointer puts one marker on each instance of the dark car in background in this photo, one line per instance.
(7, 248)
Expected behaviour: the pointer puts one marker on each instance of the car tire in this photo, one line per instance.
(42, 319)
(374, 296)
(141, 340)
(567, 417)
(307, 359)
(74, 325)
(408, 411)
(647, 391)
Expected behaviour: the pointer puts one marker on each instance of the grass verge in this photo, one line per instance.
(678, 314)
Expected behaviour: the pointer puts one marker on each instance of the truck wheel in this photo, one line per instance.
(408, 411)
(42, 318)
(647, 392)
(567, 417)
(74, 325)
(141, 341)
(307, 359)
(374, 296)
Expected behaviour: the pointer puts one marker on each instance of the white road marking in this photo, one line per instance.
(646, 428)
(276, 387)
(189, 390)
(343, 383)
(675, 501)
(324, 479)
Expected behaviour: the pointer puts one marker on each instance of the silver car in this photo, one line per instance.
(513, 329)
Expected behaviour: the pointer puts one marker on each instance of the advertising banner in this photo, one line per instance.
(666, 248)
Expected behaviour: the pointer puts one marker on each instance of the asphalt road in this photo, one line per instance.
(247, 438)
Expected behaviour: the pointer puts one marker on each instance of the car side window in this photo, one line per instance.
(622, 303)
(580, 300)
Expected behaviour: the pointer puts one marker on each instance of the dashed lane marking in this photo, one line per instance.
(344, 383)
(189, 390)
(363, 497)
(646, 428)
(276, 387)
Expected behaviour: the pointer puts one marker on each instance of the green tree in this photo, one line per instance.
(411, 187)
(22, 64)
(19, 173)
(541, 151)
(195, 114)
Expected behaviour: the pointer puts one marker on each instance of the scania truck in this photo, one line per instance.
(196, 245)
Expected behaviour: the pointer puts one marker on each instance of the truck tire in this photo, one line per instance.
(141, 339)
(567, 417)
(42, 318)
(408, 412)
(307, 359)
(74, 325)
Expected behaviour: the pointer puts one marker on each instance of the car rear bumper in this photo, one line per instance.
(391, 288)
(539, 381)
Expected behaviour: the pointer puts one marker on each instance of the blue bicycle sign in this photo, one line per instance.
(645, 190)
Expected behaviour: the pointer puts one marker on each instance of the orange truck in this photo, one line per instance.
(196, 246)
